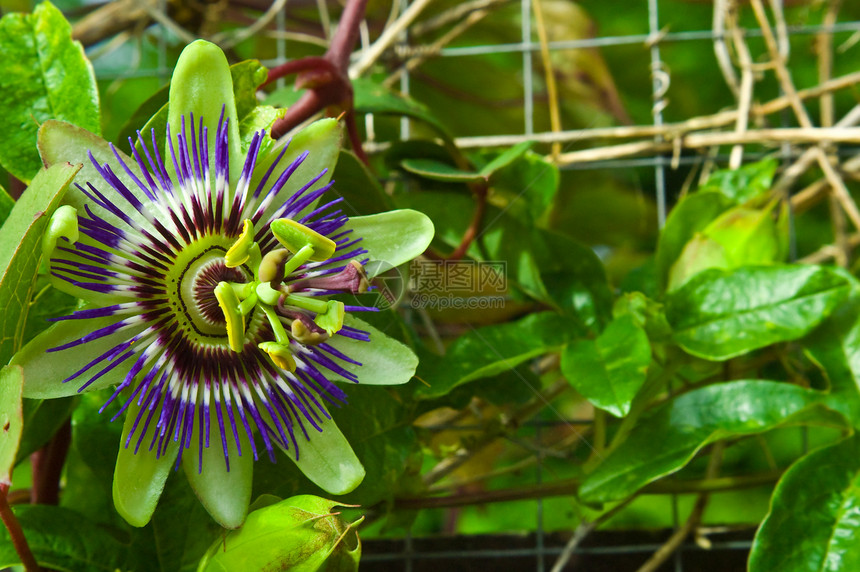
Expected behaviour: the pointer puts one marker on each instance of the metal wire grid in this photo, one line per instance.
(543, 555)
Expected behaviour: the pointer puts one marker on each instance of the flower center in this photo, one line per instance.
(203, 289)
(196, 288)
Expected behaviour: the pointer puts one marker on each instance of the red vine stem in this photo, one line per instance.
(16, 533)
(47, 466)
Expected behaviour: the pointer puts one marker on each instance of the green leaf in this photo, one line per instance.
(62, 539)
(668, 437)
(154, 106)
(745, 183)
(362, 194)
(491, 350)
(11, 419)
(379, 427)
(6, 205)
(693, 214)
(43, 75)
(20, 251)
(722, 314)
(526, 187)
(42, 418)
(439, 171)
(394, 237)
(506, 158)
(247, 77)
(812, 523)
(610, 370)
(371, 97)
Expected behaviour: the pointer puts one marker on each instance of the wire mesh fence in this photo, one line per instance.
(661, 166)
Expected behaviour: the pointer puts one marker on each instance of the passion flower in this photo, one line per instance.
(206, 272)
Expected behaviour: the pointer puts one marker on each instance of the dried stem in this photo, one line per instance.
(15, 532)
(370, 55)
(745, 91)
(567, 487)
(549, 74)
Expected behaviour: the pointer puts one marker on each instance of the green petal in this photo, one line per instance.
(138, 479)
(322, 140)
(328, 460)
(44, 372)
(394, 237)
(385, 361)
(225, 494)
(202, 85)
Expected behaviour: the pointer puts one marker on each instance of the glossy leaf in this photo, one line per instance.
(43, 75)
(11, 419)
(667, 438)
(812, 524)
(20, 251)
(609, 370)
(721, 314)
(62, 539)
(505, 158)
(526, 187)
(488, 351)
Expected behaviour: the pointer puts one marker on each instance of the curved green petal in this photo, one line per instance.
(202, 85)
(138, 479)
(385, 361)
(322, 140)
(328, 460)
(394, 237)
(225, 494)
(44, 372)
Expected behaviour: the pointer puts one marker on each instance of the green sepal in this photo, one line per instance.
(44, 372)
(322, 140)
(328, 460)
(202, 85)
(385, 361)
(20, 254)
(394, 237)
(138, 479)
(225, 493)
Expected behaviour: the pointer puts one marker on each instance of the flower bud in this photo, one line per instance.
(301, 533)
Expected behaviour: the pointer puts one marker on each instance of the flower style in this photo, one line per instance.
(206, 274)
